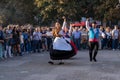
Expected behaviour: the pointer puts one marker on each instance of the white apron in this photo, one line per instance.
(60, 43)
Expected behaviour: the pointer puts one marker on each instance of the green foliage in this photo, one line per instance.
(46, 11)
(107, 10)
(16, 11)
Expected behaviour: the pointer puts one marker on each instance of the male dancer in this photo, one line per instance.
(93, 40)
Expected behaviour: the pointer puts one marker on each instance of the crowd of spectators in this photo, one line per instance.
(18, 40)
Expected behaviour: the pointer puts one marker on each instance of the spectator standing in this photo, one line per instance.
(36, 40)
(44, 39)
(40, 38)
(7, 45)
(77, 37)
(49, 38)
(119, 39)
(109, 38)
(115, 37)
(25, 35)
(103, 38)
(29, 32)
(21, 42)
(84, 38)
(1, 42)
(16, 41)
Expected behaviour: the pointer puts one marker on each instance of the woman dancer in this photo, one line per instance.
(61, 48)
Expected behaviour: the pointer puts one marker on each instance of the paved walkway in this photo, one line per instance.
(35, 67)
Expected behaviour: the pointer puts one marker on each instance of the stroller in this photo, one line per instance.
(62, 49)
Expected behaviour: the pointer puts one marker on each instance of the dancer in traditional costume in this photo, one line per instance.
(62, 47)
(93, 40)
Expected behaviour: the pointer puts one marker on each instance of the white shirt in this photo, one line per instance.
(37, 35)
(77, 34)
(115, 34)
(87, 25)
(60, 43)
(108, 35)
(48, 33)
(21, 39)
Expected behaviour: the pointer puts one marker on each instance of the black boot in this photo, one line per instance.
(50, 62)
(94, 57)
(90, 54)
(60, 63)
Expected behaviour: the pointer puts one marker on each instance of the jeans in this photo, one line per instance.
(8, 51)
(26, 45)
(109, 43)
(115, 43)
(77, 43)
(22, 47)
(1, 50)
(36, 45)
(103, 41)
(49, 43)
(29, 46)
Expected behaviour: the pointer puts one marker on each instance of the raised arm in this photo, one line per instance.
(64, 23)
(112, 33)
(87, 24)
(70, 29)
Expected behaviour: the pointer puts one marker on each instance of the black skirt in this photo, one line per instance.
(61, 54)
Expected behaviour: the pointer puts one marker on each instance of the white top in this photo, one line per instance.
(60, 43)
(115, 34)
(76, 34)
(103, 35)
(48, 33)
(21, 39)
(108, 35)
(64, 25)
(37, 35)
(87, 25)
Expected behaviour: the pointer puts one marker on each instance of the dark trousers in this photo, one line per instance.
(77, 43)
(26, 42)
(103, 41)
(115, 43)
(109, 43)
(36, 45)
(49, 43)
(93, 48)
